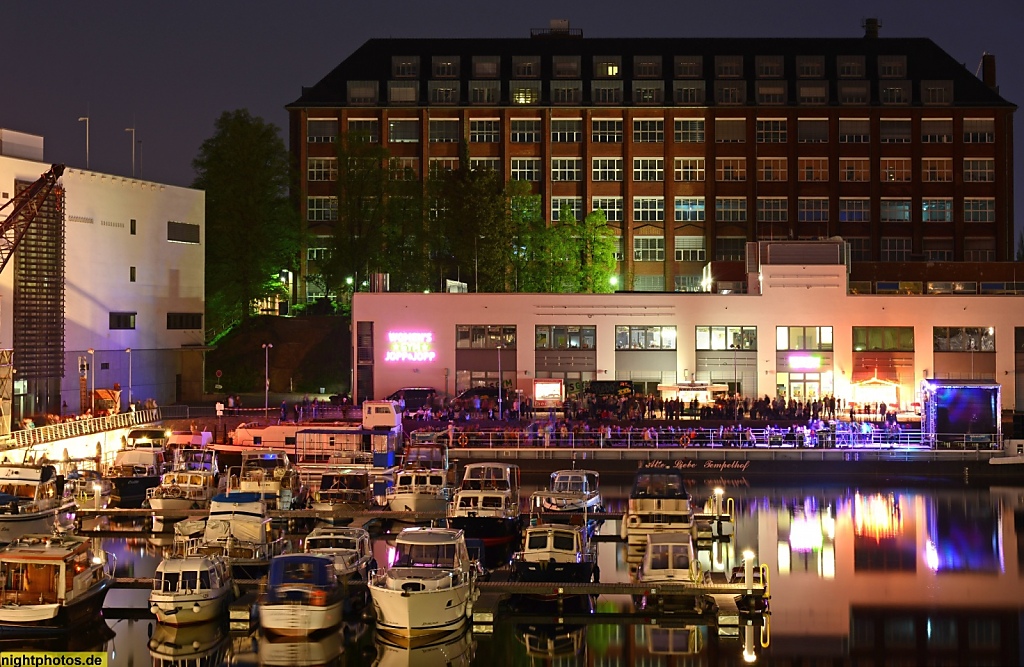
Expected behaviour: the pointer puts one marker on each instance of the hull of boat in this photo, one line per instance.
(173, 609)
(55, 617)
(131, 491)
(420, 614)
(417, 502)
(299, 620)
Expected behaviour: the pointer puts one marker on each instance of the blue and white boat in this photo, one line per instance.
(303, 597)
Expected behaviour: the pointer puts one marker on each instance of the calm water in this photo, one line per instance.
(858, 575)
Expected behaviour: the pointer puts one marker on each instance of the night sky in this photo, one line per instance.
(169, 69)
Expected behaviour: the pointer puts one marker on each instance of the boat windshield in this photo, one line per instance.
(186, 580)
(18, 490)
(661, 485)
(568, 485)
(425, 555)
(669, 556)
(330, 543)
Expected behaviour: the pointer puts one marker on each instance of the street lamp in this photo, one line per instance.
(266, 379)
(132, 130)
(735, 370)
(92, 372)
(128, 350)
(501, 386)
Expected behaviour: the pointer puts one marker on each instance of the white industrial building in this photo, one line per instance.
(110, 264)
(799, 332)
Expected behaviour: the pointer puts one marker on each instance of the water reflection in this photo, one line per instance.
(870, 574)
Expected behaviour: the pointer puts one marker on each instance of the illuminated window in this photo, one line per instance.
(772, 169)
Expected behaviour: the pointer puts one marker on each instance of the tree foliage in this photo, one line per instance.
(252, 229)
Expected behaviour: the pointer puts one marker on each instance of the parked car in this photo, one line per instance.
(415, 397)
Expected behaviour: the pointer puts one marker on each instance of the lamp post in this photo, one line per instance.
(266, 379)
(132, 130)
(92, 372)
(86, 119)
(128, 350)
(501, 386)
(735, 369)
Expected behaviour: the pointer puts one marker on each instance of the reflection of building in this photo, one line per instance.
(800, 333)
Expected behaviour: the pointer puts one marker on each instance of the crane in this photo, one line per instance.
(26, 205)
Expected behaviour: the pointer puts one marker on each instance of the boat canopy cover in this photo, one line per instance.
(289, 569)
(238, 497)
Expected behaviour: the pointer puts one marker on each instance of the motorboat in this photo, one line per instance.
(303, 596)
(671, 559)
(34, 498)
(270, 473)
(52, 581)
(190, 589)
(201, 645)
(89, 487)
(658, 502)
(454, 649)
(135, 470)
(237, 529)
(486, 506)
(573, 491)
(419, 489)
(191, 484)
(428, 588)
(349, 547)
(556, 552)
(557, 641)
(348, 489)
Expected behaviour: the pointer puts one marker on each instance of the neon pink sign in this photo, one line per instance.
(410, 346)
(804, 362)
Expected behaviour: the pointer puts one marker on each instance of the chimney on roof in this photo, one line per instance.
(871, 27)
(988, 70)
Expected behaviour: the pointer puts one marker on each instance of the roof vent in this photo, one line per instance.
(871, 27)
(556, 28)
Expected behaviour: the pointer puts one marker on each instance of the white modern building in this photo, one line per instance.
(799, 332)
(106, 289)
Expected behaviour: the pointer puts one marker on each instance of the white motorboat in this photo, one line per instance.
(270, 473)
(238, 529)
(428, 588)
(33, 499)
(349, 547)
(659, 502)
(190, 589)
(137, 468)
(52, 580)
(556, 552)
(486, 505)
(671, 559)
(191, 484)
(303, 596)
(419, 489)
(573, 491)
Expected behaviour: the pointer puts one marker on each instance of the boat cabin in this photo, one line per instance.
(659, 483)
(345, 488)
(48, 569)
(491, 476)
(190, 575)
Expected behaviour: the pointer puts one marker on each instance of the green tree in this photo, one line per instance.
(597, 254)
(252, 230)
(526, 226)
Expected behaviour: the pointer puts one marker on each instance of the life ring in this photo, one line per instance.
(174, 492)
(463, 440)
(684, 441)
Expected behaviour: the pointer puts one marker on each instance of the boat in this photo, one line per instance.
(345, 489)
(658, 502)
(237, 529)
(420, 489)
(89, 487)
(303, 596)
(202, 645)
(136, 469)
(556, 552)
(486, 506)
(454, 649)
(33, 498)
(670, 558)
(573, 491)
(428, 588)
(190, 589)
(53, 581)
(349, 547)
(191, 484)
(270, 473)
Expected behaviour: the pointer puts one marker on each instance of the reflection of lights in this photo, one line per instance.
(931, 556)
(877, 516)
(805, 534)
